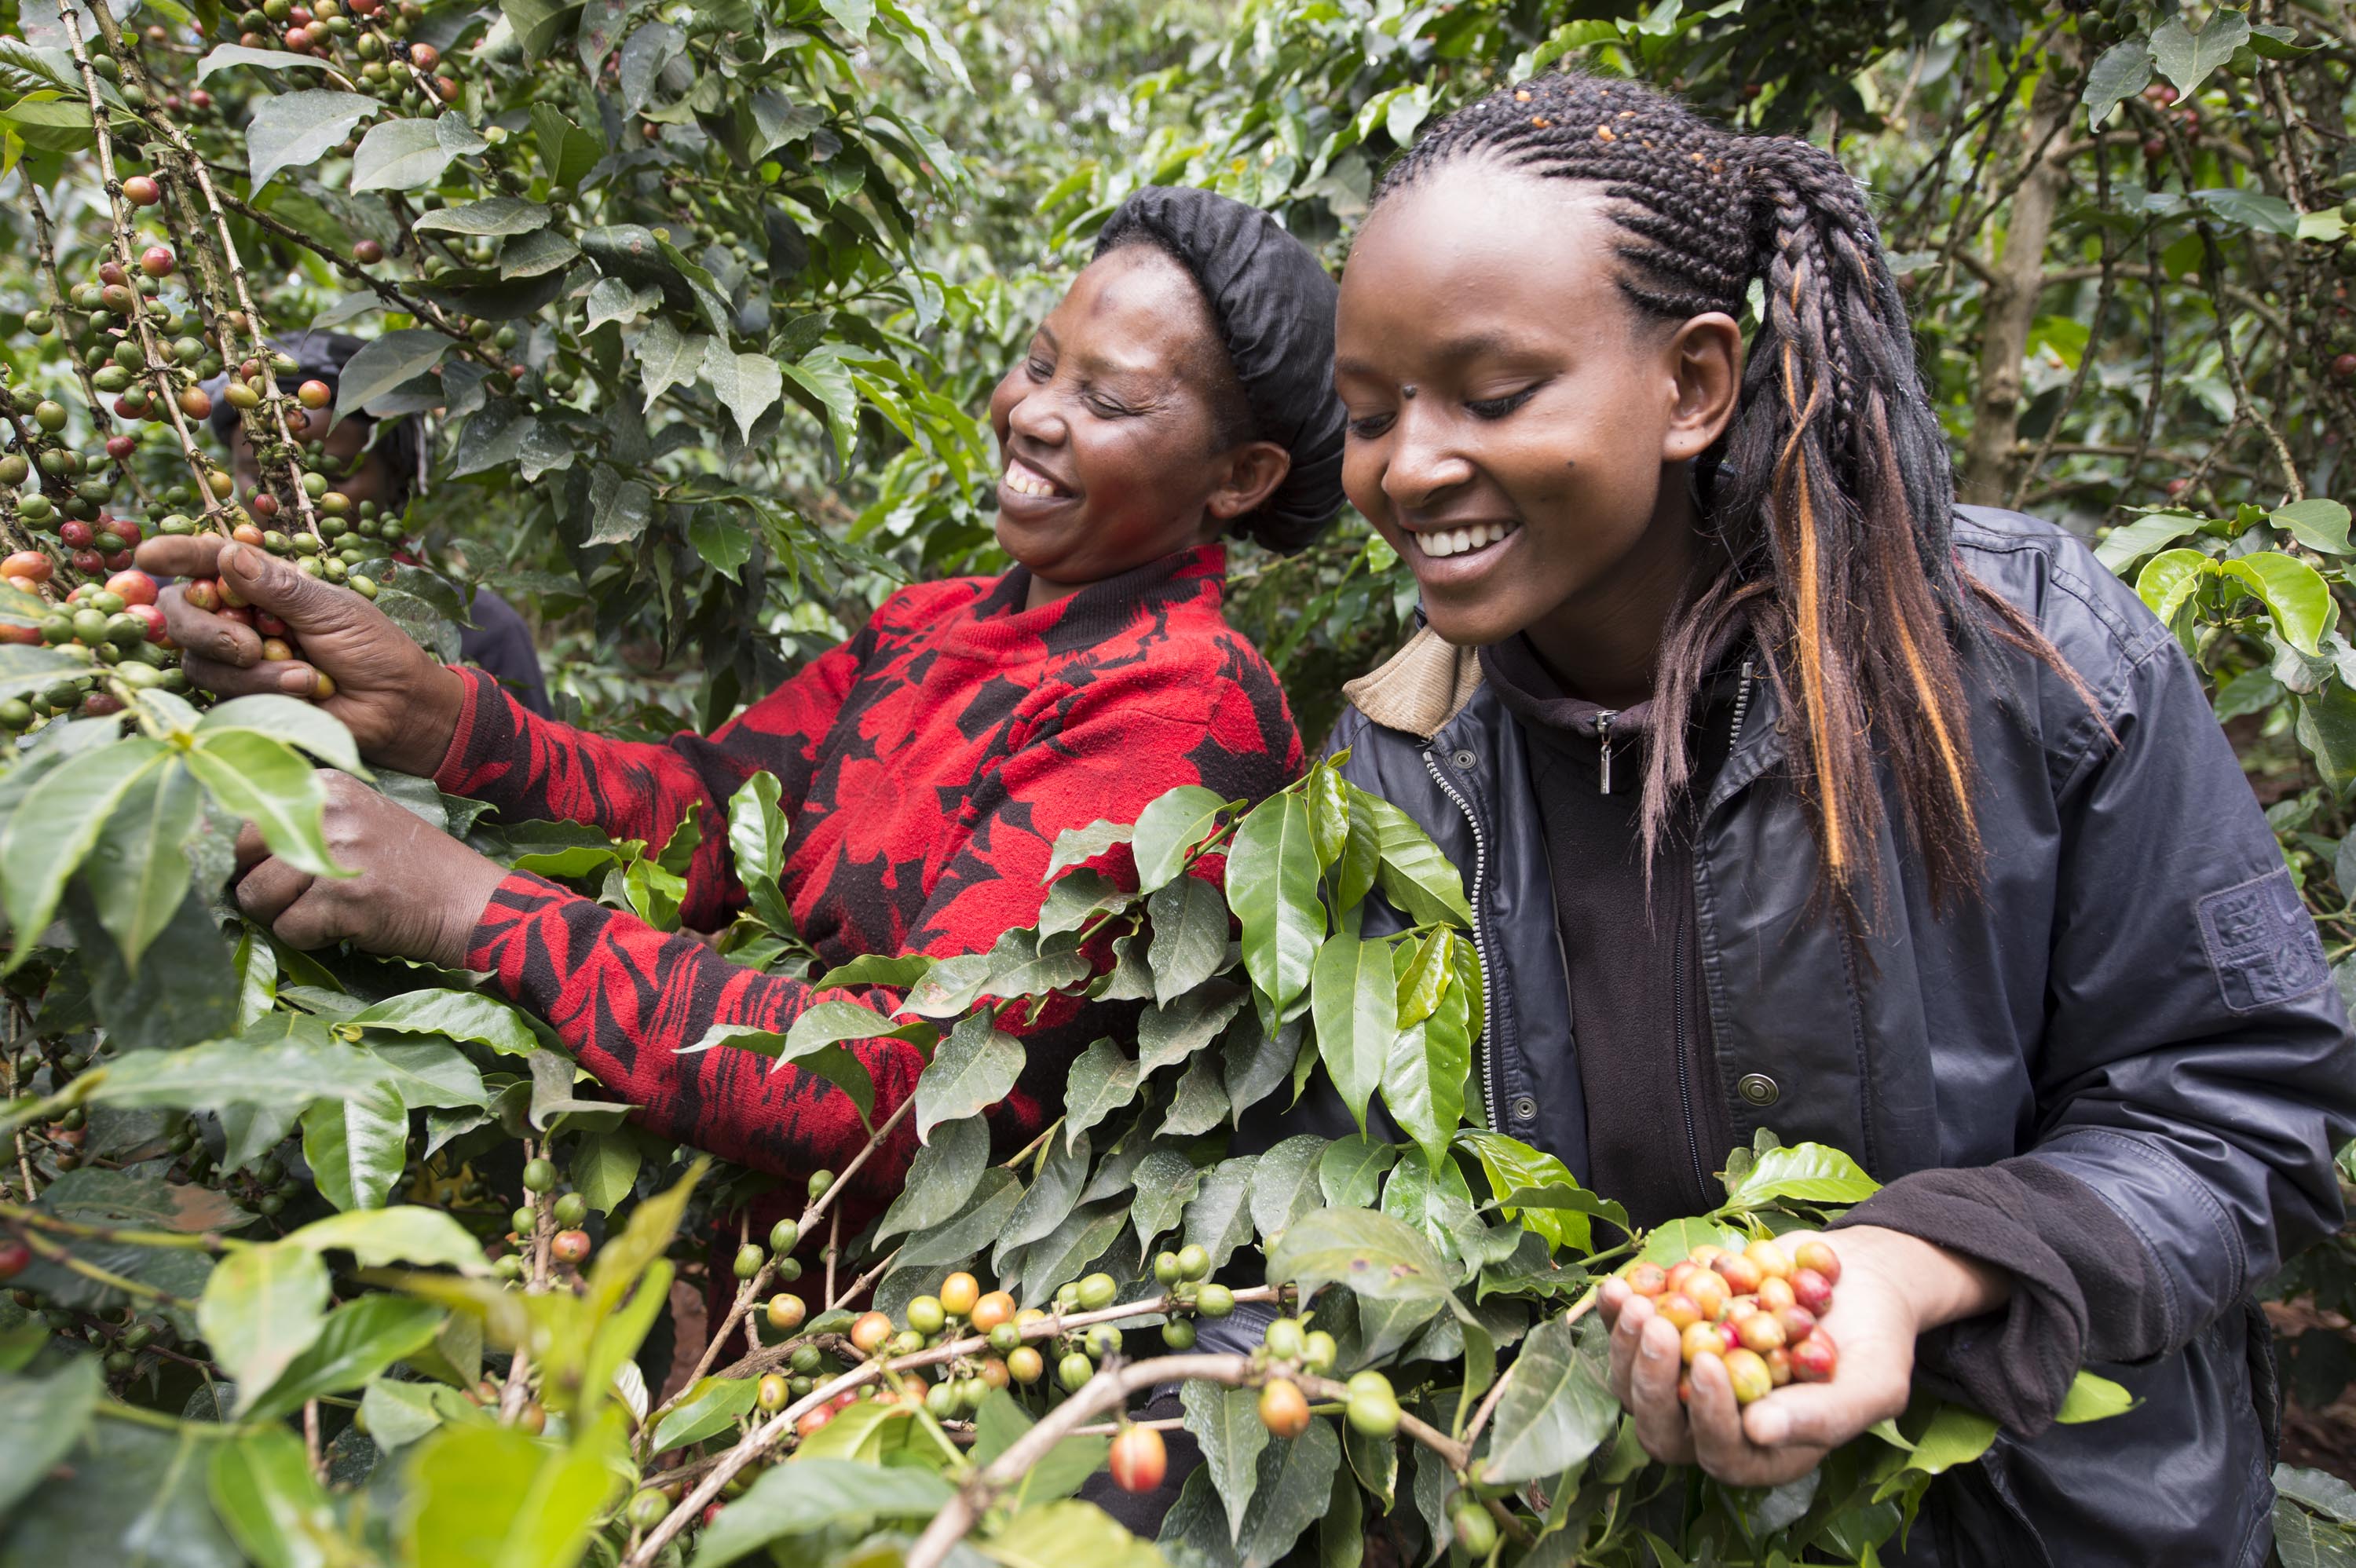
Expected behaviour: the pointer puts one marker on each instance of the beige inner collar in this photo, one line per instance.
(1419, 688)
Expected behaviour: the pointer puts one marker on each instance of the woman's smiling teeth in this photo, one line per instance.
(1025, 480)
(1456, 541)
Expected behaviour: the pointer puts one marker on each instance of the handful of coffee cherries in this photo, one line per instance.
(1757, 1309)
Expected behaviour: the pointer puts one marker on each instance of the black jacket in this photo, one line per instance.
(2139, 998)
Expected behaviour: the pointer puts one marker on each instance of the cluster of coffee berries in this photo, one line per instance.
(1186, 1275)
(363, 37)
(115, 625)
(1757, 1309)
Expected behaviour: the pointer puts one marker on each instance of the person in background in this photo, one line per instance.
(500, 642)
(1794, 797)
(1181, 392)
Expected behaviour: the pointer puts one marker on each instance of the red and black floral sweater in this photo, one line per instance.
(926, 766)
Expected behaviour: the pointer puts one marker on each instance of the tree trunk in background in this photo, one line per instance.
(2014, 280)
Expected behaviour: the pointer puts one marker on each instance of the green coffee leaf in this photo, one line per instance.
(1272, 875)
(262, 1307)
(1172, 823)
(1804, 1173)
(138, 870)
(1371, 1253)
(2294, 591)
(41, 1420)
(813, 1495)
(1226, 1422)
(941, 1177)
(494, 1495)
(1218, 1218)
(974, 1068)
(709, 1408)
(292, 129)
(1166, 1182)
(1285, 1184)
(1350, 1170)
(2321, 525)
(1102, 1080)
(1189, 935)
(55, 825)
(1415, 876)
(358, 1339)
(410, 1234)
(1423, 1080)
(1174, 1033)
(1557, 1404)
(1354, 1001)
(389, 360)
(2186, 58)
(269, 783)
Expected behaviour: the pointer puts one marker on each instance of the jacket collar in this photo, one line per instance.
(1421, 690)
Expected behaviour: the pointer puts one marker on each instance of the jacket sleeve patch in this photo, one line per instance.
(2262, 946)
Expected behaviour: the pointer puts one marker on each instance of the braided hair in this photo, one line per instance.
(1830, 491)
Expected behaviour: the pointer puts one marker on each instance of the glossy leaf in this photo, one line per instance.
(42, 1419)
(813, 1495)
(138, 873)
(1354, 1001)
(1272, 874)
(53, 827)
(974, 1068)
(1557, 1405)
(1806, 1173)
(264, 1489)
(1424, 1078)
(1218, 1218)
(272, 786)
(292, 129)
(1226, 1422)
(358, 1339)
(1190, 936)
(263, 1308)
(1171, 825)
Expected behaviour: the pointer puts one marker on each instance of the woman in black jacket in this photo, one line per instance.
(1792, 795)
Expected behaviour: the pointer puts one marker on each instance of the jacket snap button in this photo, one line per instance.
(1525, 1109)
(1758, 1089)
(1463, 760)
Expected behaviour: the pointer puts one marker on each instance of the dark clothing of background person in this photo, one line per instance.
(2118, 1075)
(499, 641)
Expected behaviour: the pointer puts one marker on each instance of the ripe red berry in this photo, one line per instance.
(134, 587)
(1139, 1459)
(29, 637)
(424, 57)
(268, 624)
(197, 403)
(367, 253)
(112, 274)
(15, 1257)
(568, 1246)
(200, 100)
(29, 563)
(446, 89)
(157, 261)
(1816, 1359)
(89, 563)
(314, 394)
(298, 39)
(76, 534)
(1812, 1290)
(141, 190)
(148, 617)
(119, 562)
(2344, 367)
(2177, 487)
(814, 1418)
(202, 593)
(120, 446)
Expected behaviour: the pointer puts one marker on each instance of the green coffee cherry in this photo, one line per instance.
(749, 1259)
(783, 1236)
(539, 1176)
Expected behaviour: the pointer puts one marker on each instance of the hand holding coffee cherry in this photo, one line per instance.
(400, 703)
(418, 894)
(1720, 1402)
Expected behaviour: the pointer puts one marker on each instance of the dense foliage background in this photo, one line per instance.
(699, 303)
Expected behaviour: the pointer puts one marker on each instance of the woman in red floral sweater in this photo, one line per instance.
(1181, 391)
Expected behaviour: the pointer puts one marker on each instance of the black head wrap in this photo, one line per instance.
(1274, 304)
(321, 356)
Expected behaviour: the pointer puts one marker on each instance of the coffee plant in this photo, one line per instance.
(319, 1258)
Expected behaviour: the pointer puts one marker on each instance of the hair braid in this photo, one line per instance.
(1834, 499)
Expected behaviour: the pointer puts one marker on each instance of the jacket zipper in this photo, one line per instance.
(1684, 1086)
(1677, 964)
(1479, 873)
(1604, 749)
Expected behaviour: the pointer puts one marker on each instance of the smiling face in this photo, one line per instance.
(1517, 426)
(1110, 430)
